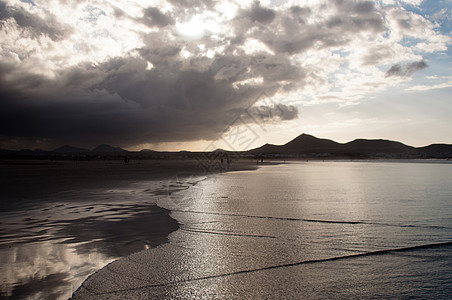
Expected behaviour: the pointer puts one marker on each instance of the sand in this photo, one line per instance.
(22, 182)
(83, 208)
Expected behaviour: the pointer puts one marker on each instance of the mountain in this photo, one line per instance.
(107, 148)
(306, 144)
(70, 149)
(376, 146)
(302, 144)
(148, 151)
(435, 150)
(5, 151)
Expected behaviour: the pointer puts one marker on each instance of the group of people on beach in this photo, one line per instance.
(228, 161)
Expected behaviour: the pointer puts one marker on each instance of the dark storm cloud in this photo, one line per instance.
(120, 102)
(152, 16)
(406, 70)
(34, 24)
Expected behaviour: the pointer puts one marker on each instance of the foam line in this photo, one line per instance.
(307, 220)
(229, 234)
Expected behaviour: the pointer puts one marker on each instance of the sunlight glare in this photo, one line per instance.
(193, 29)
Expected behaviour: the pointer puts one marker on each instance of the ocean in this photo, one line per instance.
(333, 229)
(317, 230)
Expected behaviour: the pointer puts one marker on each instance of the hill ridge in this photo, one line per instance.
(305, 144)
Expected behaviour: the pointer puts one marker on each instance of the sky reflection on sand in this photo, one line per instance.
(47, 251)
(46, 269)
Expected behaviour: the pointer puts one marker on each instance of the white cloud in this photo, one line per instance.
(413, 2)
(423, 88)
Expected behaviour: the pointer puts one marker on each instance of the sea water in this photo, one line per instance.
(314, 230)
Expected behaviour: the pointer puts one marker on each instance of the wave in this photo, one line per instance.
(313, 220)
(227, 233)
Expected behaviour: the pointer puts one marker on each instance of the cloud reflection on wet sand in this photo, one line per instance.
(47, 252)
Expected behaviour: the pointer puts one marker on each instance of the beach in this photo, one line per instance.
(63, 220)
(176, 229)
(298, 230)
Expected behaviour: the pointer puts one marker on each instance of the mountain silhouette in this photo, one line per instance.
(376, 146)
(441, 150)
(107, 148)
(70, 149)
(304, 143)
(307, 144)
(148, 151)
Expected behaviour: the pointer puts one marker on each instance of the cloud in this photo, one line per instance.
(377, 54)
(406, 70)
(269, 113)
(423, 88)
(152, 16)
(183, 4)
(294, 31)
(34, 24)
(122, 73)
(120, 102)
(261, 14)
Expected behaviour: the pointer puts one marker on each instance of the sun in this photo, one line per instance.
(193, 29)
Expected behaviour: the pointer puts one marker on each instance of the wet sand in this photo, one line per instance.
(298, 231)
(26, 182)
(61, 221)
(47, 253)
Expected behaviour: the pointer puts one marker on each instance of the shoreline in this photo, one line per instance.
(236, 167)
(46, 179)
(96, 209)
(220, 243)
(51, 181)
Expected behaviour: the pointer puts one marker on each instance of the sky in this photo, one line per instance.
(202, 74)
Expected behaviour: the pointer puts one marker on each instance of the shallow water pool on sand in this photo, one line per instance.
(49, 247)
